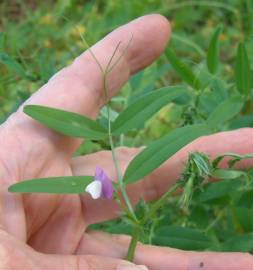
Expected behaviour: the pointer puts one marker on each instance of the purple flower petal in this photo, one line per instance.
(107, 187)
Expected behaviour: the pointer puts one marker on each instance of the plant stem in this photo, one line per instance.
(133, 244)
(105, 72)
(158, 204)
(137, 229)
(115, 160)
(120, 178)
(216, 220)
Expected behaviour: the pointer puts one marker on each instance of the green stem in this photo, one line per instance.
(137, 230)
(133, 244)
(105, 72)
(120, 178)
(158, 204)
(115, 160)
(216, 220)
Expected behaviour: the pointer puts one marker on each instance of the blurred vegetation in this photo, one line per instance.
(37, 38)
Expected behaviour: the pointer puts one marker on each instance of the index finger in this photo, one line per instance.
(79, 87)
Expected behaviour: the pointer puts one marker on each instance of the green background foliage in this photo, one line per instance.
(37, 38)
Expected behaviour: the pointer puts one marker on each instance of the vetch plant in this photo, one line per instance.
(144, 219)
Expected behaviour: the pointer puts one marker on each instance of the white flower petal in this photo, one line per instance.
(95, 189)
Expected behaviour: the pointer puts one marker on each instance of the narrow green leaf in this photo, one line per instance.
(12, 64)
(67, 123)
(160, 150)
(227, 174)
(183, 70)
(213, 52)
(182, 238)
(143, 108)
(57, 185)
(242, 71)
(225, 111)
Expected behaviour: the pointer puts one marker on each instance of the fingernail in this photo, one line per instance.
(130, 266)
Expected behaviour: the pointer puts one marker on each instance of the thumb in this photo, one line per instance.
(89, 262)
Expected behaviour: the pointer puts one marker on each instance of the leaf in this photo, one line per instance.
(210, 99)
(67, 123)
(142, 209)
(199, 216)
(121, 228)
(12, 64)
(182, 238)
(227, 174)
(244, 216)
(225, 111)
(218, 190)
(239, 243)
(160, 150)
(135, 80)
(241, 121)
(184, 71)
(113, 114)
(57, 185)
(143, 108)
(144, 80)
(233, 156)
(242, 71)
(213, 52)
(246, 199)
(103, 116)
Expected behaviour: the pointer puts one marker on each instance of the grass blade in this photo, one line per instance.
(213, 52)
(242, 71)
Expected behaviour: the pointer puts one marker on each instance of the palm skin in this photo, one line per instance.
(49, 231)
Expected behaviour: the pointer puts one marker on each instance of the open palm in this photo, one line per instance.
(49, 231)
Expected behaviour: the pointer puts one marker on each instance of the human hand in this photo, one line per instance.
(48, 231)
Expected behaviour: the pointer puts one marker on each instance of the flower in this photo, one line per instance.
(101, 186)
(95, 189)
(78, 30)
(47, 19)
